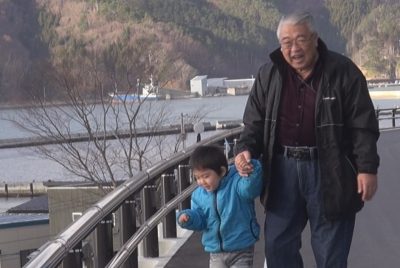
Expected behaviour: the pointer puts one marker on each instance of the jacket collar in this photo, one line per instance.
(224, 180)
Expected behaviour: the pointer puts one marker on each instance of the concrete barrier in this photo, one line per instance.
(22, 189)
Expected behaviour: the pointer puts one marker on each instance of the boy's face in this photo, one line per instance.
(208, 178)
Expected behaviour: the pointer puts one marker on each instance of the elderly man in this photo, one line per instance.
(310, 117)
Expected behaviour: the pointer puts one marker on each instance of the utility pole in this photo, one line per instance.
(183, 132)
(198, 128)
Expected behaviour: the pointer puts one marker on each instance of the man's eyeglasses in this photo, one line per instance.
(300, 41)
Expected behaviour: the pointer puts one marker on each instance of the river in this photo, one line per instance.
(6, 203)
(25, 165)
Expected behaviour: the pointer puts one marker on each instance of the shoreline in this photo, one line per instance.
(377, 91)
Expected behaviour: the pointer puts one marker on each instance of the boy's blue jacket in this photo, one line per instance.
(227, 216)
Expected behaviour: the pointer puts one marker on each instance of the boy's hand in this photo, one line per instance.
(242, 163)
(183, 218)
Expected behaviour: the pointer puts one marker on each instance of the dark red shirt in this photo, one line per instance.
(296, 125)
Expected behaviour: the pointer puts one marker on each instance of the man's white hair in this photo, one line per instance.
(300, 17)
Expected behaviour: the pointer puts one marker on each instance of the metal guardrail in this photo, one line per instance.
(128, 248)
(391, 114)
(59, 249)
(62, 248)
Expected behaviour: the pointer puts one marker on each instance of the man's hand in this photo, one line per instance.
(242, 163)
(367, 185)
(183, 218)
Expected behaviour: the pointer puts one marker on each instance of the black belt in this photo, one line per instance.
(298, 153)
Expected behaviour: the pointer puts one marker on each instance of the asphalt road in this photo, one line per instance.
(376, 242)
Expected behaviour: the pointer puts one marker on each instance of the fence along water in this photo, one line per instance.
(388, 114)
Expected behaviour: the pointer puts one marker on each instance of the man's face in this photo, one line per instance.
(298, 46)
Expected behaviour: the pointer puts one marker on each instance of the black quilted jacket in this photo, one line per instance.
(346, 128)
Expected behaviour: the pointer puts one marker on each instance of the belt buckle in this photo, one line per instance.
(297, 154)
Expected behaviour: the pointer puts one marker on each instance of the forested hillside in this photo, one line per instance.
(123, 42)
(371, 29)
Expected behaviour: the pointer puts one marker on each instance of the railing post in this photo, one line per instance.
(394, 117)
(183, 132)
(226, 148)
(183, 183)
(235, 141)
(150, 242)
(169, 222)
(128, 229)
(74, 257)
(104, 241)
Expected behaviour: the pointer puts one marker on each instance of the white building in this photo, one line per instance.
(216, 82)
(199, 85)
(239, 83)
(204, 86)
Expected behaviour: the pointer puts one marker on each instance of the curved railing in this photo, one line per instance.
(67, 246)
(128, 248)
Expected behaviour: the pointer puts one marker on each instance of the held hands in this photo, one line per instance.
(184, 218)
(367, 185)
(242, 163)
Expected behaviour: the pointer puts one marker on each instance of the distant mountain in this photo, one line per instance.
(173, 40)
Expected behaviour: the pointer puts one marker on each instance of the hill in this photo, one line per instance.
(118, 44)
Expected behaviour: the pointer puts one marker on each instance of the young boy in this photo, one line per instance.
(223, 208)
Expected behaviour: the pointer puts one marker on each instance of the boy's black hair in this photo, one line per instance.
(208, 157)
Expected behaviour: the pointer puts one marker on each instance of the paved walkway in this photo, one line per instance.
(376, 240)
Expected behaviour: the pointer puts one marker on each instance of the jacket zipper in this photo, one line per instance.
(317, 107)
(219, 221)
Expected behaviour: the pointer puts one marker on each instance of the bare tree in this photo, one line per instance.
(111, 148)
